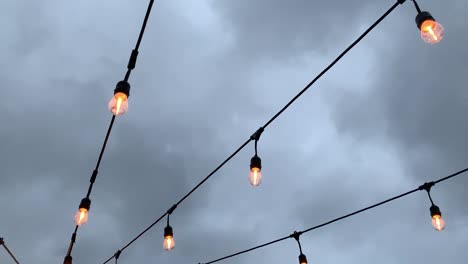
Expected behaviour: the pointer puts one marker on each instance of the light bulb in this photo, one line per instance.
(431, 31)
(255, 176)
(437, 221)
(81, 216)
(302, 259)
(118, 105)
(169, 242)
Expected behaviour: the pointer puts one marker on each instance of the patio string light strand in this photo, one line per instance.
(118, 105)
(425, 187)
(255, 136)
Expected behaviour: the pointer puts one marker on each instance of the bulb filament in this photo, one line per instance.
(429, 29)
(255, 175)
(437, 222)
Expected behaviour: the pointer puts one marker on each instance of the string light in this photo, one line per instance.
(118, 105)
(296, 234)
(81, 216)
(2, 243)
(436, 216)
(255, 176)
(338, 58)
(431, 31)
(169, 242)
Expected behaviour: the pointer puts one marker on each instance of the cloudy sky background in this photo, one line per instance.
(387, 118)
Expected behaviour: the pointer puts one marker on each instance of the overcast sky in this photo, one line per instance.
(389, 116)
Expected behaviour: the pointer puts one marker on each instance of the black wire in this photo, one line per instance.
(130, 67)
(98, 163)
(2, 242)
(417, 6)
(140, 37)
(430, 198)
(269, 122)
(183, 198)
(336, 219)
(300, 247)
(92, 180)
(332, 64)
(256, 147)
(145, 21)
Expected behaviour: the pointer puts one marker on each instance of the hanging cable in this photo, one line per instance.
(269, 121)
(420, 188)
(2, 242)
(118, 105)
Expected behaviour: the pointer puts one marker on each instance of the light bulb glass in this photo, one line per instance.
(438, 222)
(118, 105)
(431, 31)
(255, 176)
(169, 243)
(81, 216)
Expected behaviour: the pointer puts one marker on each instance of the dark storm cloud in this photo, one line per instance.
(194, 100)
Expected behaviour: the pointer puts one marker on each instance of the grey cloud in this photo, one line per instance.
(192, 103)
(284, 29)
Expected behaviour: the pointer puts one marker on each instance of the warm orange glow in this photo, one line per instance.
(81, 216)
(255, 176)
(118, 105)
(438, 222)
(304, 262)
(168, 243)
(431, 31)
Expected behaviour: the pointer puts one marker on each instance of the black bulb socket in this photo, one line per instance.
(435, 210)
(85, 204)
(168, 231)
(423, 16)
(256, 162)
(302, 259)
(122, 87)
(68, 260)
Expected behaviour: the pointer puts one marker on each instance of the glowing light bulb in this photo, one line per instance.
(169, 242)
(437, 221)
(431, 31)
(255, 176)
(81, 217)
(118, 105)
